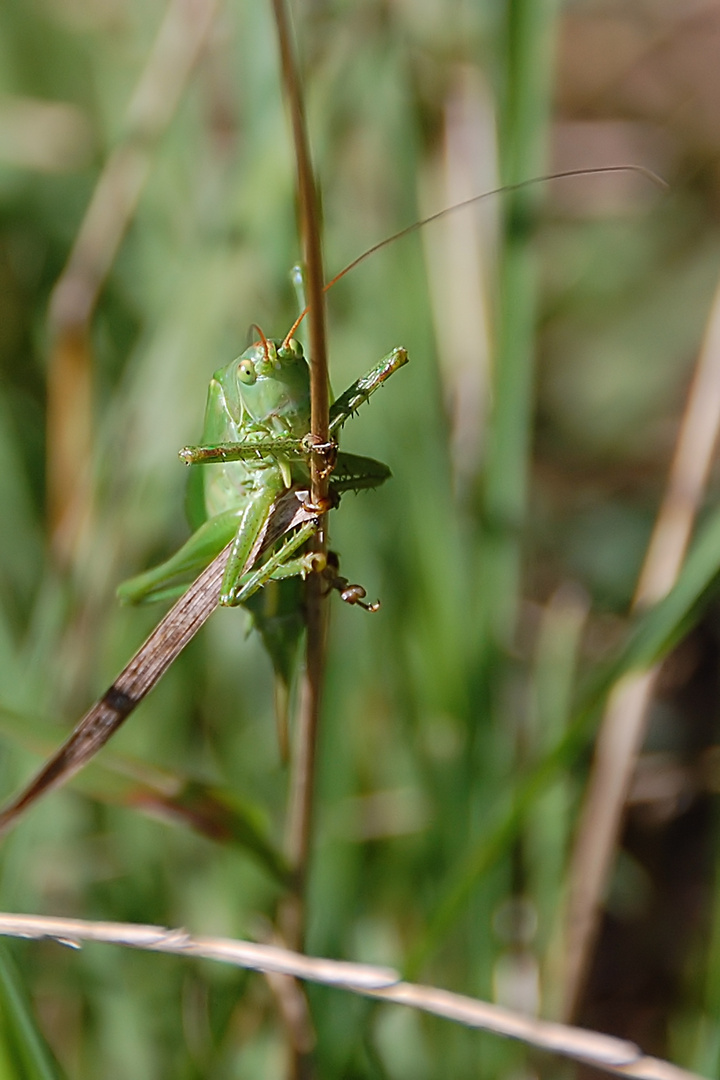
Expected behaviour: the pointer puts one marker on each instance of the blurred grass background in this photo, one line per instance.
(552, 337)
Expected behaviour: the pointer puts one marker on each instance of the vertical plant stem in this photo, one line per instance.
(302, 776)
(299, 823)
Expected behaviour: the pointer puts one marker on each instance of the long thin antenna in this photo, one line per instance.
(505, 189)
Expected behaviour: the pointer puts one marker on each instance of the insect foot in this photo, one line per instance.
(351, 594)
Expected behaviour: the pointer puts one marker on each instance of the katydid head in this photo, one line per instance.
(269, 384)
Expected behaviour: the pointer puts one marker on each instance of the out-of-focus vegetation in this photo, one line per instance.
(505, 550)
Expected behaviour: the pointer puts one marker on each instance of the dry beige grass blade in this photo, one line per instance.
(615, 1056)
(623, 728)
(178, 44)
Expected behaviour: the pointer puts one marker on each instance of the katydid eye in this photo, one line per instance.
(246, 372)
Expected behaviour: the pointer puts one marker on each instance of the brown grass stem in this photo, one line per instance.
(302, 779)
(299, 826)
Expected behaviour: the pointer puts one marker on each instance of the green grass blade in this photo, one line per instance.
(24, 1053)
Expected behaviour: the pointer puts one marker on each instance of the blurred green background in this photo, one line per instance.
(552, 338)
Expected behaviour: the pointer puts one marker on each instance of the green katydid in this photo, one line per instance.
(255, 447)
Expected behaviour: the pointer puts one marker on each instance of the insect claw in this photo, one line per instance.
(351, 599)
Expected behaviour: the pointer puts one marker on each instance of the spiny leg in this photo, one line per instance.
(280, 564)
(249, 449)
(252, 522)
(356, 395)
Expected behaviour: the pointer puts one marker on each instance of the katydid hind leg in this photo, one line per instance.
(195, 554)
